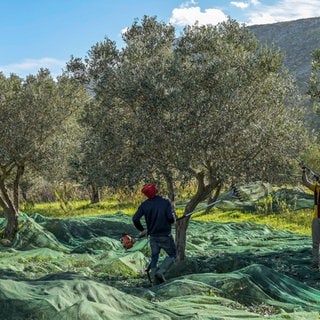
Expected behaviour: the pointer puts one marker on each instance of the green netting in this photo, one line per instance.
(77, 269)
(255, 190)
(258, 194)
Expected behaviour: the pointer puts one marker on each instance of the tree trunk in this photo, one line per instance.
(11, 228)
(181, 229)
(181, 238)
(203, 192)
(95, 194)
(11, 211)
(170, 187)
(16, 183)
(213, 199)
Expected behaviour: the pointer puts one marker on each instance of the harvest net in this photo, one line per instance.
(76, 268)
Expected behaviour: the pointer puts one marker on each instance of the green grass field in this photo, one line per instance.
(295, 221)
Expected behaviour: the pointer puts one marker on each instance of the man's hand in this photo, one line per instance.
(143, 233)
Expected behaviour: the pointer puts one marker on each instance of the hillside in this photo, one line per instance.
(297, 40)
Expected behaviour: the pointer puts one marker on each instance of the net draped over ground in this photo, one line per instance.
(76, 268)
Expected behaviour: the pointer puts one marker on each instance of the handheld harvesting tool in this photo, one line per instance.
(315, 174)
(128, 240)
(234, 193)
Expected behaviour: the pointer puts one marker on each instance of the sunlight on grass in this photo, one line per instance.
(79, 209)
(294, 221)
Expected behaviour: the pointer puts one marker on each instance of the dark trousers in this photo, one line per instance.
(163, 242)
(316, 240)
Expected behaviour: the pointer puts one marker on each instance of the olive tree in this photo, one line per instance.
(102, 156)
(37, 115)
(242, 108)
(311, 154)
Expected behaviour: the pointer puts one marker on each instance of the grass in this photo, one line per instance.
(294, 221)
(78, 208)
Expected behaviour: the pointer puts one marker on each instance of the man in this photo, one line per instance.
(315, 187)
(159, 217)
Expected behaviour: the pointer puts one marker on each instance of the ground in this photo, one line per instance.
(77, 269)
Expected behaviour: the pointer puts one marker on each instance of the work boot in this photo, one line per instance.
(164, 267)
(153, 277)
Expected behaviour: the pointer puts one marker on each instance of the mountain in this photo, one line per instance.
(297, 40)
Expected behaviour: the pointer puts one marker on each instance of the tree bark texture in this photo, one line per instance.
(181, 238)
(10, 204)
(11, 214)
(95, 194)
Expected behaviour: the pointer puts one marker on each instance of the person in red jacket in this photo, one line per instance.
(159, 217)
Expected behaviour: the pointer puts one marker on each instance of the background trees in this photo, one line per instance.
(209, 107)
(311, 154)
(38, 118)
(314, 83)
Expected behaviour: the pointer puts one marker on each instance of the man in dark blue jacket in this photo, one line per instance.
(159, 217)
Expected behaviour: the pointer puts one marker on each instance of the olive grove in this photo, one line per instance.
(38, 118)
(210, 106)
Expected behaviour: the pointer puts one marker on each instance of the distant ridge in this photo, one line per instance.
(297, 40)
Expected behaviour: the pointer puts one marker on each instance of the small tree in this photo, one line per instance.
(100, 162)
(37, 116)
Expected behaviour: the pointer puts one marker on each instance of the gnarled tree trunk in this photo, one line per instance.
(11, 214)
(181, 238)
(203, 192)
(94, 194)
(10, 204)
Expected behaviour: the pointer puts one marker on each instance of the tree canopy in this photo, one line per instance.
(38, 122)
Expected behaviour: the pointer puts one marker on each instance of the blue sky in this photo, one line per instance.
(39, 33)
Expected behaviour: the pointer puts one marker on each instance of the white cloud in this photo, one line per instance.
(187, 4)
(188, 16)
(241, 5)
(255, 2)
(32, 66)
(284, 10)
(124, 30)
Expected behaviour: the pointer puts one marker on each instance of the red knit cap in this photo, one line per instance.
(149, 190)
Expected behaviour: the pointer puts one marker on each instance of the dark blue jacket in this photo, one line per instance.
(158, 214)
